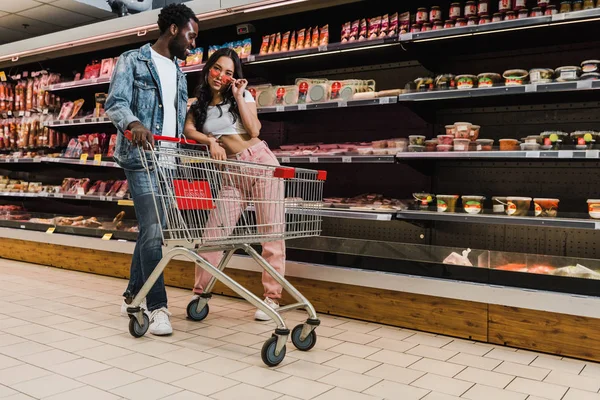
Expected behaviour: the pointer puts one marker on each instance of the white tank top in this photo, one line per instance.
(219, 125)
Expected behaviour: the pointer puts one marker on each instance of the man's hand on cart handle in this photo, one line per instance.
(155, 138)
(140, 135)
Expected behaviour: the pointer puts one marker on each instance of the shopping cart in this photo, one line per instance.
(206, 205)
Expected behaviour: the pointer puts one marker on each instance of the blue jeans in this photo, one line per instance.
(148, 248)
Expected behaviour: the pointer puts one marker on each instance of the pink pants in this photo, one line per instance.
(269, 219)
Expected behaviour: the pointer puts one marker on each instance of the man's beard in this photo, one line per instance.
(177, 49)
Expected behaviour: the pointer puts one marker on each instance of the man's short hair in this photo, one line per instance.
(178, 14)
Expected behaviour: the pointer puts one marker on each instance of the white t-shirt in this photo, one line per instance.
(167, 74)
(224, 125)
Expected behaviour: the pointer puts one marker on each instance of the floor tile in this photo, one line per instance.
(147, 389)
(512, 356)
(49, 358)
(475, 349)
(244, 391)
(575, 381)
(186, 356)
(440, 396)
(186, 395)
(21, 373)
(103, 352)
(79, 367)
(5, 391)
(554, 364)
(523, 371)
(354, 364)
(442, 384)
(219, 366)
(394, 358)
(483, 377)
(258, 376)
(215, 332)
(76, 344)
(51, 336)
(300, 388)
(432, 352)
(47, 386)
(153, 348)
(23, 349)
(7, 362)
(357, 326)
(391, 333)
(428, 340)
(167, 372)
(396, 391)
(535, 388)
(591, 370)
(437, 367)
(396, 374)
(339, 393)
(110, 379)
(481, 392)
(85, 392)
(308, 370)
(576, 394)
(205, 383)
(355, 337)
(470, 360)
(315, 355)
(134, 362)
(350, 380)
(392, 344)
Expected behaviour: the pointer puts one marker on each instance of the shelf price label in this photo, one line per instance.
(565, 154)
(2, 76)
(58, 195)
(280, 108)
(97, 159)
(346, 159)
(343, 104)
(384, 100)
(50, 230)
(301, 107)
(251, 58)
(532, 154)
(313, 160)
(592, 154)
(584, 84)
(285, 160)
(107, 236)
(83, 158)
(323, 47)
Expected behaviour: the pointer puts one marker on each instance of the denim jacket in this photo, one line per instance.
(135, 95)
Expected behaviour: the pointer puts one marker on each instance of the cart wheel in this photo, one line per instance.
(303, 345)
(268, 352)
(194, 314)
(134, 326)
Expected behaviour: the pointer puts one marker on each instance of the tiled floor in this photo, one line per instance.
(61, 337)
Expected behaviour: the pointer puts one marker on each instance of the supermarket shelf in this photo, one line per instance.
(192, 68)
(550, 154)
(78, 121)
(329, 105)
(332, 48)
(110, 199)
(78, 84)
(499, 219)
(504, 26)
(336, 159)
(58, 160)
(337, 213)
(500, 91)
(69, 230)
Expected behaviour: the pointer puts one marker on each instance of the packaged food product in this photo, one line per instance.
(474, 132)
(473, 204)
(530, 146)
(463, 130)
(545, 207)
(277, 47)
(435, 14)
(346, 30)
(498, 17)
(485, 19)
(423, 199)
(65, 110)
(461, 144)
(588, 4)
(107, 67)
(519, 5)
(518, 206)
(473, 21)
(363, 32)
(324, 36)
(551, 10)
(470, 9)
(77, 104)
(285, 41)
(445, 81)
(568, 73)
(416, 28)
(541, 75)
(315, 37)
(246, 49)
(455, 10)
(404, 22)
(466, 82)
(565, 7)
(100, 100)
(515, 77)
(424, 84)
(484, 144)
(272, 40)
(523, 13)
(446, 139)
(422, 15)
(451, 131)
(594, 208)
(418, 140)
(444, 147)
(509, 144)
(446, 203)
(301, 39)
(543, 3)
(393, 29)
(353, 33)
(504, 5)
(513, 267)
(430, 145)
(590, 76)
(460, 22)
(577, 5)
(488, 79)
(293, 41)
(413, 148)
(449, 24)
(426, 27)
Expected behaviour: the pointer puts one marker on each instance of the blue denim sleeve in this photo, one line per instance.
(120, 93)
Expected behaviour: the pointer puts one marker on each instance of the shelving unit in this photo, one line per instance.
(500, 155)
(79, 121)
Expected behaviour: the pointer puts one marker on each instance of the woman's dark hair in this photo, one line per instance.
(204, 95)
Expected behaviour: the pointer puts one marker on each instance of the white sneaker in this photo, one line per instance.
(260, 315)
(159, 322)
(125, 305)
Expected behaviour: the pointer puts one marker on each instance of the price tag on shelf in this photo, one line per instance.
(531, 88)
(50, 230)
(93, 81)
(301, 107)
(280, 108)
(251, 58)
(384, 100)
(8, 160)
(37, 159)
(45, 111)
(532, 154)
(565, 154)
(28, 113)
(346, 159)
(43, 194)
(592, 154)
(58, 195)
(343, 104)
(323, 47)
(596, 225)
(107, 236)
(102, 198)
(285, 160)
(313, 160)
(16, 159)
(98, 159)
(559, 17)
(78, 196)
(584, 84)
(9, 113)
(83, 158)
(109, 198)
(21, 113)
(2, 76)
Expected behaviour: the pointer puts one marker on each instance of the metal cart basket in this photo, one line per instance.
(206, 205)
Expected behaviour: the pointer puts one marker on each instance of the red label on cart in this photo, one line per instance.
(193, 195)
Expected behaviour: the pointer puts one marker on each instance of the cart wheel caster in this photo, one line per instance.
(194, 314)
(303, 345)
(268, 352)
(137, 330)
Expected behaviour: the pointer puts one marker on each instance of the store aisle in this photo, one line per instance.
(61, 337)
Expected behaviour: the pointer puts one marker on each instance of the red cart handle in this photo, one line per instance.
(158, 138)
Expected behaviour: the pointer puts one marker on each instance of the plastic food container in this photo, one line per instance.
(499, 205)
(424, 84)
(551, 10)
(473, 21)
(446, 203)
(435, 14)
(461, 144)
(588, 4)
(530, 146)
(537, 12)
(445, 139)
(430, 145)
(594, 208)
(565, 7)
(590, 66)
(504, 5)
(510, 16)
(473, 204)
(590, 76)
(485, 19)
(463, 130)
(488, 79)
(449, 24)
(509, 144)
(515, 77)
(483, 8)
(423, 199)
(466, 81)
(583, 137)
(541, 75)
(451, 130)
(455, 10)
(422, 15)
(413, 148)
(474, 132)
(534, 139)
(445, 81)
(523, 13)
(567, 74)
(417, 140)
(498, 17)
(444, 147)
(484, 144)
(460, 22)
(577, 5)
(518, 206)
(545, 207)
